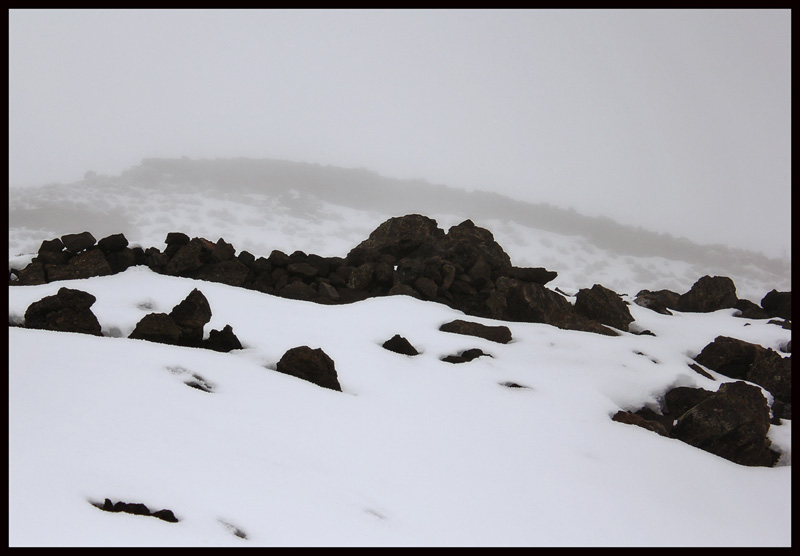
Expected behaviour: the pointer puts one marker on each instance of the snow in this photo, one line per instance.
(413, 452)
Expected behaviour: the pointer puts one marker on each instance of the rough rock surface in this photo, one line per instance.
(68, 310)
(312, 365)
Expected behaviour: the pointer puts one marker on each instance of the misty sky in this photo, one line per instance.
(674, 120)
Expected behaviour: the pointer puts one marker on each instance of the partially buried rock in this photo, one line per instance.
(708, 294)
(604, 306)
(732, 423)
(499, 334)
(398, 344)
(222, 340)
(312, 365)
(67, 311)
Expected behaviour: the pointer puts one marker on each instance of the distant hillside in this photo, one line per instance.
(274, 204)
(365, 190)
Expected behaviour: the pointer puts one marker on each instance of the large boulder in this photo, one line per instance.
(231, 271)
(191, 315)
(66, 311)
(733, 424)
(75, 243)
(729, 356)
(186, 258)
(708, 294)
(112, 243)
(604, 306)
(778, 304)
(399, 237)
(774, 372)
(312, 365)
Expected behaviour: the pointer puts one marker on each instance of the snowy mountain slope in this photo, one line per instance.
(413, 452)
(261, 205)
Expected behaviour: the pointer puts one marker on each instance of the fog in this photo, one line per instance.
(676, 121)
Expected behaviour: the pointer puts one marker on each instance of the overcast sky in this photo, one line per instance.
(674, 120)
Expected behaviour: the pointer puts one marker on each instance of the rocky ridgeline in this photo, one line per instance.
(464, 269)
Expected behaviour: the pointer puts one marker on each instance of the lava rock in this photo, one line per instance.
(67, 311)
(313, 365)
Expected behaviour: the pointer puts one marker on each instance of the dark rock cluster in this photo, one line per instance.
(463, 268)
(731, 423)
(136, 508)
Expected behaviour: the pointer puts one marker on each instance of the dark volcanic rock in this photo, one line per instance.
(749, 310)
(231, 272)
(537, 275)
(298, 290)
(67, 311)
(312, 365)
(774, 373)
(112, 243)
(733, 424)
(708, 294)
(398, 237)
(185, 259)
(681, 399)
(76, 243)
(465, 356)
(604, 306)
(398, 344)
(660, 301)
(222, 340)
(778, 304)
(500, 334)
(729, 356)
(157, 327)
(633, 419)
(191, 315)
(31, 275)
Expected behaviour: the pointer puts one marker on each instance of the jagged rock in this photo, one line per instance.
(398, 344)
(75, 243)
(191, 315)
(89, 263)
(121, 260)
(278, 259)
(157, 327)
(176, 238)
(466, 243)
(113, 242)
(708, 294)
(778, 304)
(297, 290)
(465, 356)
(773, 372)
(67, 311)
(729, 356)
(749, 310)
(52, 245)
(361, 277)
(604, 306)
(681, 399)
(328, 291)
(426, 287)
(633, 419)
(231, 272)
(699, 370)
(165, 515)
(31, 275)
(732, 423)
(403, 289)
(499, 334)
(531, 302)
(302, 269)
(537, 275)
(222, 340)
(52, 257)
(660, 301)
(398, 237)
(222, 251)
(312, 365)
(186, 259)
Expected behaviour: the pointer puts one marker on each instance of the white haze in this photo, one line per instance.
(678, 121)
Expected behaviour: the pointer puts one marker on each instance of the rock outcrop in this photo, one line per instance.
(67, 311)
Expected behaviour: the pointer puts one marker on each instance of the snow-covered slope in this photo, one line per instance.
(413, 451)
